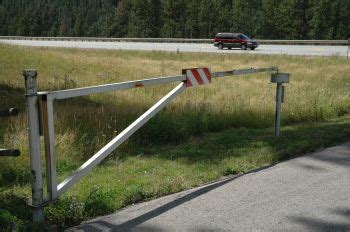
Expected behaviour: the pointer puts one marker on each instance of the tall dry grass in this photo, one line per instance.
(318, 91)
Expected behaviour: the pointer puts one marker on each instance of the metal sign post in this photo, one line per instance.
(279, 79)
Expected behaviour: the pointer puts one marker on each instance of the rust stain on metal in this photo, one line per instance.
(139, 85)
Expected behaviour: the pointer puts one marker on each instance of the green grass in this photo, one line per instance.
(207, 132)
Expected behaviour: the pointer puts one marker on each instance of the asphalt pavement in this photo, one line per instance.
(310, 193)
(303, 50)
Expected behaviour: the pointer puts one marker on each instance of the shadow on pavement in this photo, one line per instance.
(312, 224)
(339, 157)
(131, 224)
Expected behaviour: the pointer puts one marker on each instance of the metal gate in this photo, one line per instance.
(40, 111)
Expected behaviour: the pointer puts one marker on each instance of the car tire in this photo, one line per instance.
(220, 46)
(244, 47)
(229, 48)
(252, 48)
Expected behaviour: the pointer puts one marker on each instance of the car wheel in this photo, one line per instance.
(220, 47)
(252, 48)
(229, 48)
(244, 47)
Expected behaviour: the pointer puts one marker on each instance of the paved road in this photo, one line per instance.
(311, 193)
(305, 50)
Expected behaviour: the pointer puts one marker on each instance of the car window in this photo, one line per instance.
(226, 36)
(243, 37)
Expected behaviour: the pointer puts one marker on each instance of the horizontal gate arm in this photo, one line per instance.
(243, 71)
(69, 93)
(113, 144)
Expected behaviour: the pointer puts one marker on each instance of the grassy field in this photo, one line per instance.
(207, 132)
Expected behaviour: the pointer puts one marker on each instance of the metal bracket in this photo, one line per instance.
(280, 78)
(10, 152)
(43, 204)
(9, 112)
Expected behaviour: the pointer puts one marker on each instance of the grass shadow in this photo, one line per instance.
(239, 142)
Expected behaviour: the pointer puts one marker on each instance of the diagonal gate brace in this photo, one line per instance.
(118, 140)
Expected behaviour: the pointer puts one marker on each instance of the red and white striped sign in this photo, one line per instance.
(197, 76)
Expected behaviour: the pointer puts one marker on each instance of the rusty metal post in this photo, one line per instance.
(32, 104)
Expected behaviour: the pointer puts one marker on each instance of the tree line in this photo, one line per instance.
(269, 19)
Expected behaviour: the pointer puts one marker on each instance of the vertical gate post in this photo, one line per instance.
(279, 79)
(32, 105)
(278, 109)
(49, 137)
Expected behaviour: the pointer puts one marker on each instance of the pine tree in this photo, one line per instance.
(272, 19)
(207, 18)
(139, 19)
(155, 17)
(120, 22)
(321, 28)
(343, 31)
(192, 21)
(223, 19)
(173, 15)
(302, 17)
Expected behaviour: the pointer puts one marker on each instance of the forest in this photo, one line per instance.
(264, 19)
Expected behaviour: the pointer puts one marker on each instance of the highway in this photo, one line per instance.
(299, 50)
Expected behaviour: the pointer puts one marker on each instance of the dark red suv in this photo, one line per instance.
(234, 40)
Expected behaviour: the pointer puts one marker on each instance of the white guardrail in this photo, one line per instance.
(177, 40)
